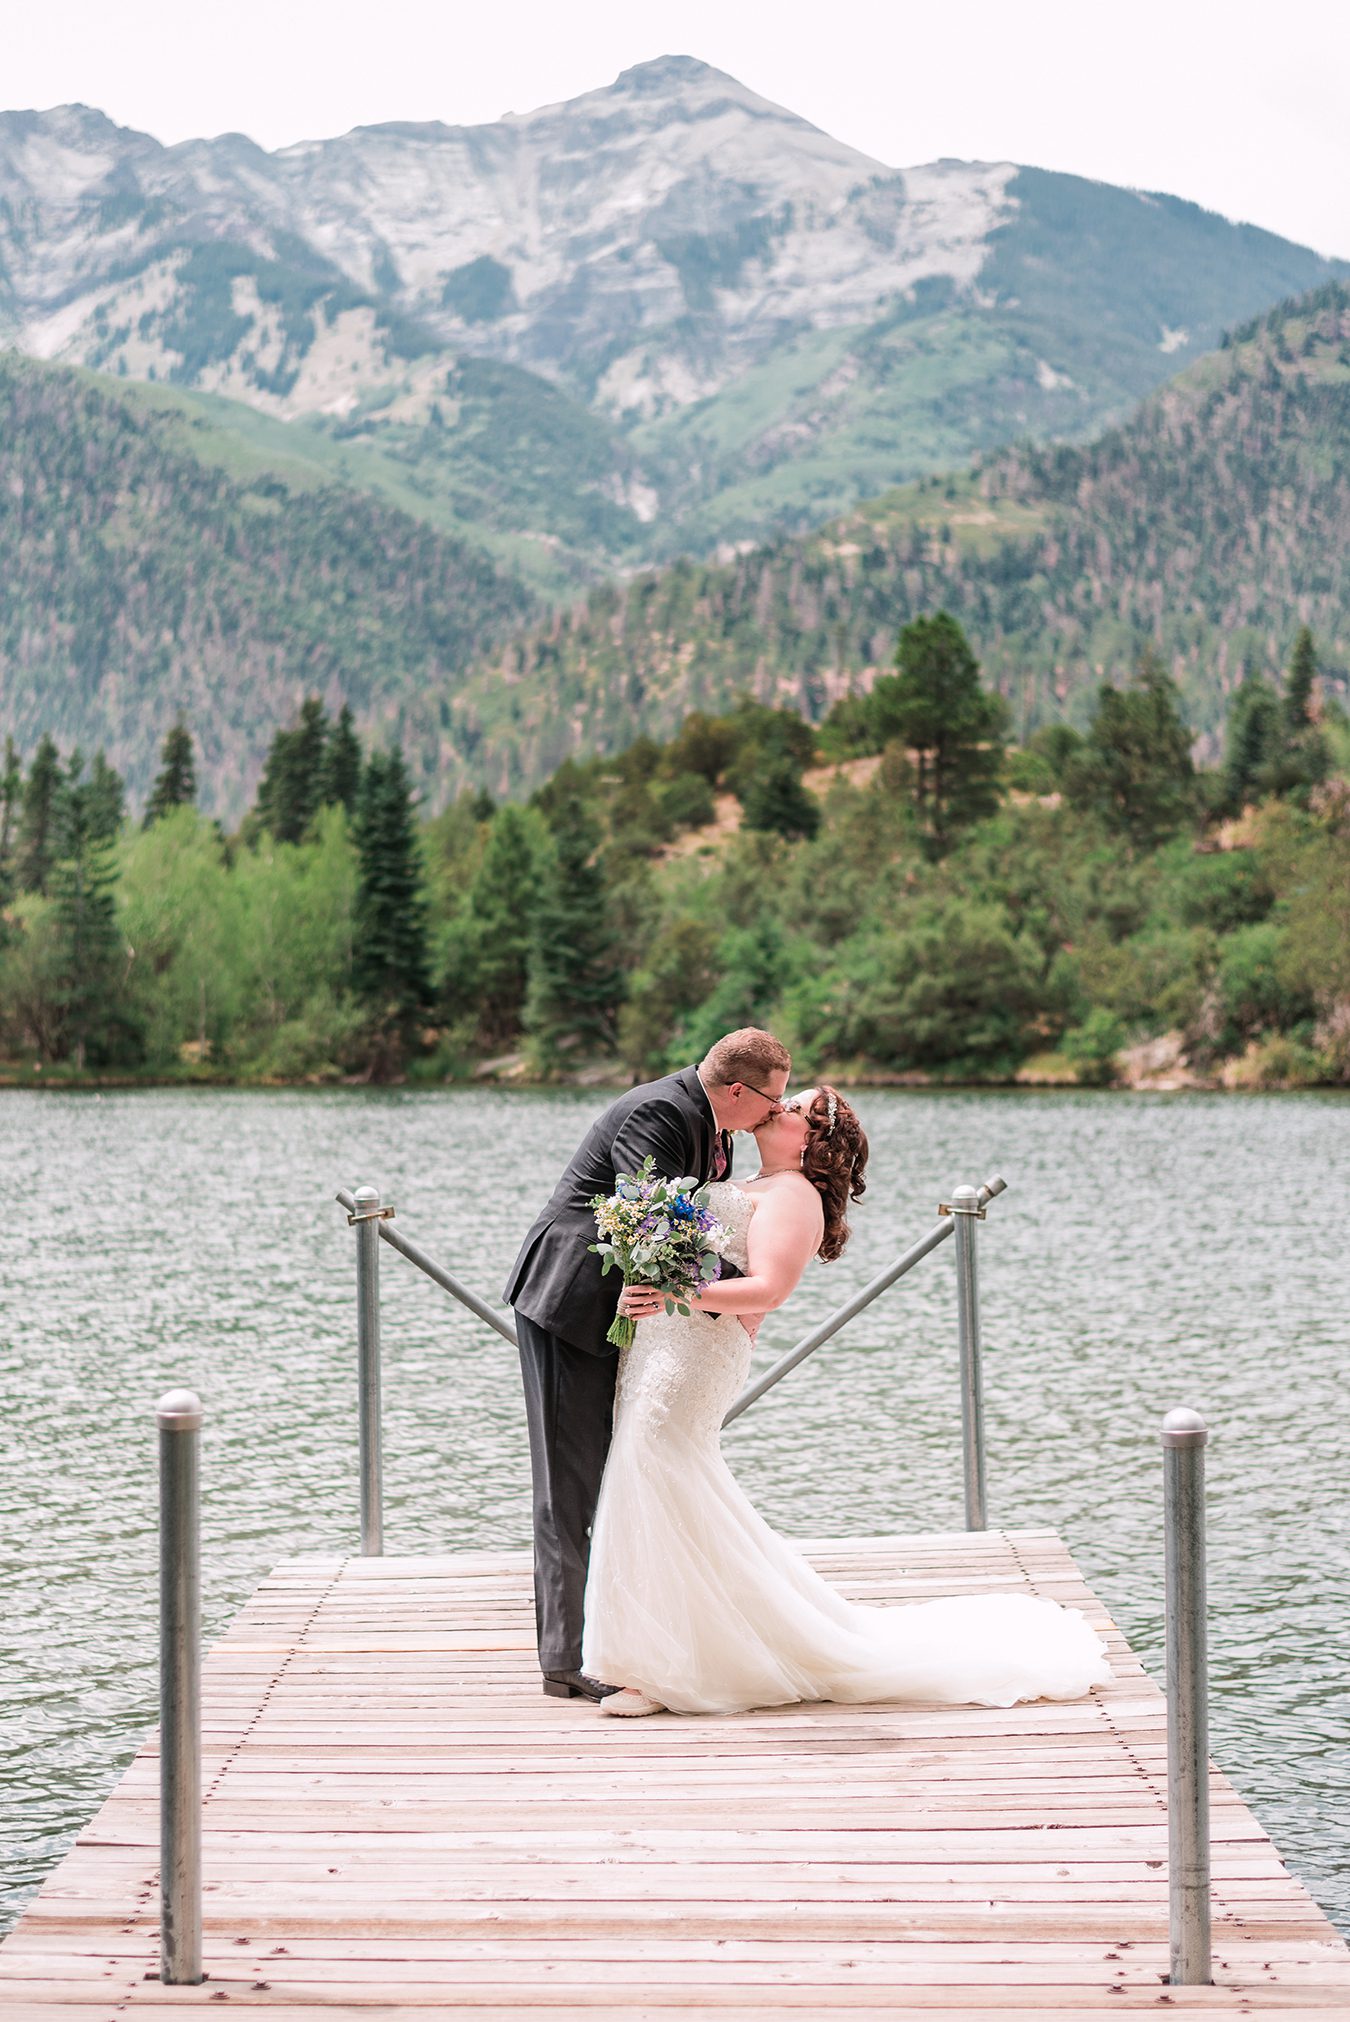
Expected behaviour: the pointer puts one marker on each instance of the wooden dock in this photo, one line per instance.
(397, 1820)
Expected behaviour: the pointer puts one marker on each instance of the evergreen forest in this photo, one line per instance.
(901, 890)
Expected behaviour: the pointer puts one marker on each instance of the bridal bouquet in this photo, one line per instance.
(657, 1232)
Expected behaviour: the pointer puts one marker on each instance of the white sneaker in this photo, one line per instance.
(630, 1704)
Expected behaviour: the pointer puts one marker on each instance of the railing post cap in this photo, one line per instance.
(179, 1411)
(967, 1196)
(1184, 1427)
(367, 1197)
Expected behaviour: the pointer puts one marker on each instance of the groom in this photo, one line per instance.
(564, 1305)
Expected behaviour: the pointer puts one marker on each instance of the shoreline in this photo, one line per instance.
(617, 1084)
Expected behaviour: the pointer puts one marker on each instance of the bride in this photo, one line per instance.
(693, 1604)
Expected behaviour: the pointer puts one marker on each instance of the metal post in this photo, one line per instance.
(1184, 1436)
(966, 1211)
(366, 1218)
(179, 1416)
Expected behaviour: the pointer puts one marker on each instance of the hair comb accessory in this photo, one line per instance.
(831, 1110)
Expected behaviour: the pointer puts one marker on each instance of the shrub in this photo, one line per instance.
(1221, 889)
(1091, 1047)
(687, 800)
(1154, 980)
(775, 800)
(1251, 993)
(1276, 1062)
(956, 988)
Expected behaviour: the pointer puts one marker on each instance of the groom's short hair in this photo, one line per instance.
(748, 1055)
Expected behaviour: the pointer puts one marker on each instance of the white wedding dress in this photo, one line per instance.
(693, 1600)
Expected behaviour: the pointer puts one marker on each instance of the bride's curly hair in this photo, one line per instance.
(834, 1159)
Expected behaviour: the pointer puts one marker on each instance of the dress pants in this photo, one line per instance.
(569, 1405)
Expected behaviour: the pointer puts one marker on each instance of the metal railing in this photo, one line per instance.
(374, 1223)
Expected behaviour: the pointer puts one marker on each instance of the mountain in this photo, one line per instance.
(141, 577)
(1211, 527)
(155, 558)
(661, 317)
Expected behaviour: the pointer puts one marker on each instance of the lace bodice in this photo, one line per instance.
(684, 1371)
(733, 1208)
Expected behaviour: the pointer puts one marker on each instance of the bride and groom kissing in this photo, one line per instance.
(657, 1584)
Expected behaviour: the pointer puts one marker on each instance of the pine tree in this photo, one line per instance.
(500, 917)
(1299, 756)
(289, 792)
(1135, 765)
(107, 799)
(341, 781)
(1303, 758)
(1252, 743)
(576, 984)
(41, 812)
(777, 801)
(11, 804)
(176, 785)
(389, 952)
(936, 707)
(91, 952)
(1298, 688)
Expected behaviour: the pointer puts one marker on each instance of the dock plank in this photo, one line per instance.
(397, 1822)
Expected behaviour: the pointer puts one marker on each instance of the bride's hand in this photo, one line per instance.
(639, 1302)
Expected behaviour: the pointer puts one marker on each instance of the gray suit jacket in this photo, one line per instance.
(557, 1281)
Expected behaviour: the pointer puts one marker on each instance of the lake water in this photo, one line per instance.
(1149, 1251)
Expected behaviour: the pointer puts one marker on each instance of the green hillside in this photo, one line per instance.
(166, 550)
(1211, 526)
(503, 461)
(141, 577)
(1084, 297)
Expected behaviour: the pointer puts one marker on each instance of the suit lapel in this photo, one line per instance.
(708, 1135)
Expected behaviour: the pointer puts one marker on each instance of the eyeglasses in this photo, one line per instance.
(764, 1095)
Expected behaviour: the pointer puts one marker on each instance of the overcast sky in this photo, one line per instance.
(1240, 106)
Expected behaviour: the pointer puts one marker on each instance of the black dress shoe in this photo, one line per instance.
(575, 1685)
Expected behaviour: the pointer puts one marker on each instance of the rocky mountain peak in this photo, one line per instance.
(658, 73)
(675, 255)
